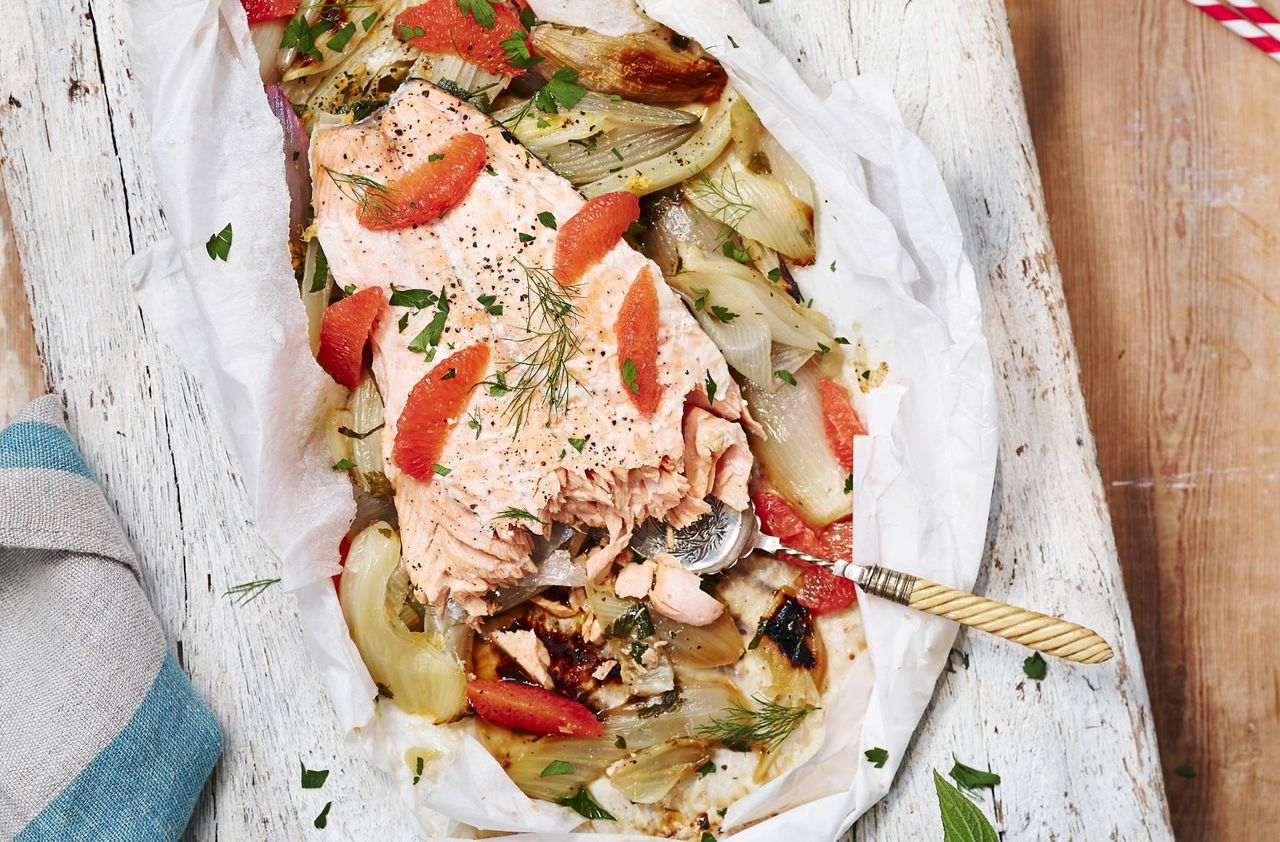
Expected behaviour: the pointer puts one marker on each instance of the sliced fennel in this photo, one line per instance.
(422, 670)
(647, 776)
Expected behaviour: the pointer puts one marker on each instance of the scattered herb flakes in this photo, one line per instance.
(526, 238)
(481, 10)
(417, 769)
(219, 245)
(711, 389)
(1035, 667)
(430, 335)
(721, 811)
(634, 624)
(442, 470)
(629, 376)
(320, 280)
(349, 289)
(343, 465)
(249, 591)
(615, 152)
(556, 767)
(788, 378)
(548, 219)
(876, 756)
(488, 302)
(708, 768)
(775, 275)
(313, 778)
(584, 805)
(731, 249)
(1185, 771)
(338, 42)
(418, 299)
(384, 692)
(369, 20)
(848, 484)
(732, 42)
(436, 156)
(474, 423)
(962, 821)
(824, 349)
(407, 33)
(840, 340)
(498, 385)
(403, 323)
(322, 820)
(302, 36)
(562, 88)
(971, 778)
(724, 314)
(833, 266)
(700, 302)
(578, 444)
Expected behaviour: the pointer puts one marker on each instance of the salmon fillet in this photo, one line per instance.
(593, 461)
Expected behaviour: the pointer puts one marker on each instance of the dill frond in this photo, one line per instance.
(249, 591)
(743, 727)
(373, 197)
(723, 198)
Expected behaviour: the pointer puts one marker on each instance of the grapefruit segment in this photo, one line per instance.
(434, 405)
(440, 26)
(427, 191)
(637, 332)
(840, 421)
(260, 10)
(587, 236)
(344, 328)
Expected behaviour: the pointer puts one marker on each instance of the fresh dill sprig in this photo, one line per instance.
(550, 319)
(373, 197)
(518, 514)
(723, 199)
(743, 727)
(249, 591)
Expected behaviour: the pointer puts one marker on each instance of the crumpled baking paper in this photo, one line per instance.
(901, 285)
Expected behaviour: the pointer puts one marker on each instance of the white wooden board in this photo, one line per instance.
(1076, 751)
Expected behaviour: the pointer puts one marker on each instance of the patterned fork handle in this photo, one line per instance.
(1050, 635)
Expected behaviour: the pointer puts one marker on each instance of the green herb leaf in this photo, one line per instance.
(339, 41)
(877, 756)
(343, 465)
(724, 314)
(584, 805)
(474, 423)
(701, 301)
(707, 837)
(358, 436)
(1035, 667)
(708, 768)
(962, 821)
(556, 767)
(775, 275)
(562, 88)
(833, 266)
(219, 245)
(786, 377)
(430, 335)
(634, 624)
(578, 444)
(349, 289)
(436, 156)
(824, 349)
(971, 778)
(629, 376)
(528, 19)
(730, 249)
(711, 389)
(487, 302)
(302, 35)
(417, 770)
(840, 340)
(369, 20)
(406, 33)
(526, 238)
(403, 322)
(733, 42)
(498, 385)
(442, 470)
(313, 778)
(848, 484)
(516, 46)
(322, 820)
(1185, 771)
(481, 10)
(320, 279)
(548, 219)
(249, 591)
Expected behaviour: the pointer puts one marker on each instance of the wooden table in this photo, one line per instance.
(1077, 751)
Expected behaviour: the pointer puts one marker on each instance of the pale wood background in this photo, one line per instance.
(1159, 137)
(1077, 752)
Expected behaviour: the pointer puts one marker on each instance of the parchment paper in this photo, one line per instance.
(902, 286)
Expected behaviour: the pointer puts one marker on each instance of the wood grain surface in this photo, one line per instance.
(1157, 132)
(1076, 751)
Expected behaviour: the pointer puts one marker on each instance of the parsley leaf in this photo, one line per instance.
(343, 465)
(971, 778)
(833, 266)
(474, 423)
(707, 837)
(730, 249)
(417, 770)
(876, 756)
(578, 444)
(548, 219)
(313, 778)
(701, 301)
(1035, 667)
(556, 767)
(848, 484)
(302, 36)
(368, 21)
(840, 340)
(516, 46)
(733, 42)
(320, 279)
(406, 33)
(430, 335)
(711, 389)
(322, 820)
(775, 275)
(707, 768)
(584, 805)
(339, 41)
(442, 470)
(562, 88)
(962, 821)
(629, 376)
(418, 299)
(436, 156)
(481, 10)
(487, 302)
(526, 238)
(219, 245)
(724, 314)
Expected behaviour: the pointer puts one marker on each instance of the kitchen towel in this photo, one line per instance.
(102, 736)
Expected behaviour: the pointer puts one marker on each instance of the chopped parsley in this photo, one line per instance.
(430, 335)
(700, 302)
(733, 42)
(724, 314)
(556, 767)
(474, 423)
(1035, 667)
(219, 245)
(840, 340)
(876, 756)
(1185, 771)
(481, 10)
(629, 376)
(584, 805)
(339, 41)
(301, 35)
(488, 303)
(578, 444)
(548, 219)
(730, 249)
(707, 768)
(848, 484)
(320, 280)
(442, 470)
(526, 238)
(775, 275)
(971, 778)
(417, 770)
(436, 156)
(711, 389)
(516, 46)
(322, 820)
(343, 465)
(313, 778)
(561, 89)
(406, 33)
(369, 21)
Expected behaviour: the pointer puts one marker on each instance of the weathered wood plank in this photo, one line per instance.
(1076, 752)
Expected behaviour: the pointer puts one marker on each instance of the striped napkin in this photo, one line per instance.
(102, 736)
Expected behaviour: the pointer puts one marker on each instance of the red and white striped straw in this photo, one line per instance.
(1240, 25)
(1266, 21)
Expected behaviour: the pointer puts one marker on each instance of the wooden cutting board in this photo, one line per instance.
(1076, 751)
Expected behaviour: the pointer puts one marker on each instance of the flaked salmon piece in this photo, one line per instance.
(529, 652)
(592, 460)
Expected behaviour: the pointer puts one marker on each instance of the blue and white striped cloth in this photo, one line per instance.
(102, 736)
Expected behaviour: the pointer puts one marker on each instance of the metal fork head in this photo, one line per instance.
(712, 543)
